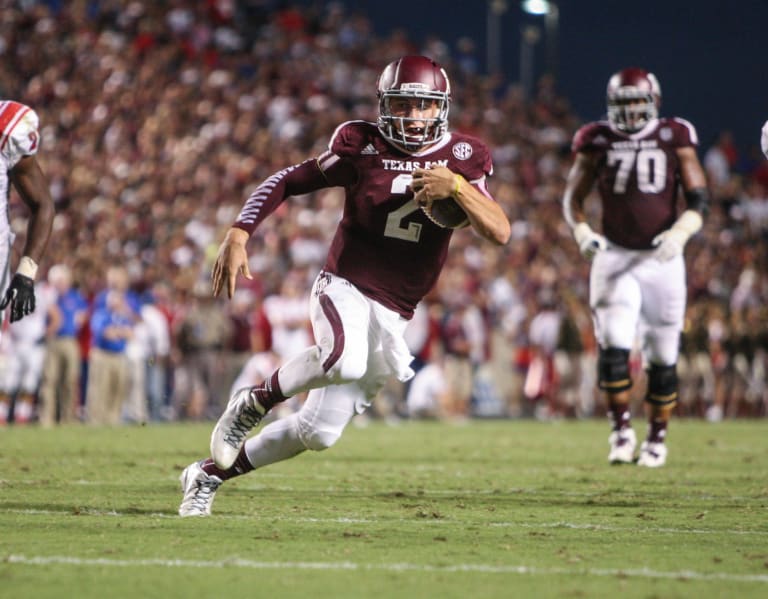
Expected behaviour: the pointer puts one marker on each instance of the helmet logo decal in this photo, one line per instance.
(418, 87)
(462, 150)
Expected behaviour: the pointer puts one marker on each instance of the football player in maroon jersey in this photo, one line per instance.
(638, 161)
(19, 142)
(385, 256)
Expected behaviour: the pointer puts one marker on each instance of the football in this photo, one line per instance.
(446, 213)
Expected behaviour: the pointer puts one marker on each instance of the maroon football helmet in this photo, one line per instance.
(418, 79)
(633, 97)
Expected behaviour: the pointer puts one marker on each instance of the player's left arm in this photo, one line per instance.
(671, 242)
(484, 213)
(32, 185)
(694, 181)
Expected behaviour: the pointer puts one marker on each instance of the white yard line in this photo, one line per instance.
(405, 521)
(394, 567)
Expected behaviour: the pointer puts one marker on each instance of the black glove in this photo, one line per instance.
(21, 297)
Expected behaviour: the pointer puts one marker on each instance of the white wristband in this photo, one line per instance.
(581, 232)
(689, 223)
(27, 267)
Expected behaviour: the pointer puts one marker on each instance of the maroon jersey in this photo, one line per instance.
(638, 177)
(385, 244)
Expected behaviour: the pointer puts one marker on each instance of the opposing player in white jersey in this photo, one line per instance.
(19, 142)
(637, 280)
(385, 256)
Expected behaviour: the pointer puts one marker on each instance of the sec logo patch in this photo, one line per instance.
(462, 150)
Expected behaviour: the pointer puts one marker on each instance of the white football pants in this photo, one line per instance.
(23, 368)
(360, 344)
(632, 293)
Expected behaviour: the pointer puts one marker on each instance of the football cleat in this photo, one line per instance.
(652, 455)
(199, 490)
(623, 445)
(243, 413)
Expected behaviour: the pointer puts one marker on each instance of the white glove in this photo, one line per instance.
(589, 242)
(764, 139)
(670, 243)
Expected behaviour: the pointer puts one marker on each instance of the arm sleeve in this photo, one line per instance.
(294, 180)
(332, 168)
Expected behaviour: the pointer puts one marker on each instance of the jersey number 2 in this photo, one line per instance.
(394, 227)
(650, 164)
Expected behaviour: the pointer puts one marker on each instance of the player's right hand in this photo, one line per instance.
(231, 260)
(589, 242)
(20, 296)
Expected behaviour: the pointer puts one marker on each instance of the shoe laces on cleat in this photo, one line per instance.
(243, 423)
(199, 491)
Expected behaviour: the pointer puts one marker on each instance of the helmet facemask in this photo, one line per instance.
(414, 94)
(398, 125)
(633, 98)
(630, 109)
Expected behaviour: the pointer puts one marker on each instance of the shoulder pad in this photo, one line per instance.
(585, 138)
(351, 137)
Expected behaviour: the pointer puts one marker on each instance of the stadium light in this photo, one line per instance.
(551, 13)
(529, 37)
(536, 7)
(496, 8)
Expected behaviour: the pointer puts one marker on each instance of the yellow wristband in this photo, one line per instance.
(456, 189)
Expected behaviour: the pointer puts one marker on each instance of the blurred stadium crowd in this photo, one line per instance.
(159, 118)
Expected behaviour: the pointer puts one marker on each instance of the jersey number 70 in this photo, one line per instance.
(649, 163)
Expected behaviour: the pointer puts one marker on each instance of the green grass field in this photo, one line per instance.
(486, 509)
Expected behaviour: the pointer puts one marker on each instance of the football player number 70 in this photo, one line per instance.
(650, 164)
(394, 227)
